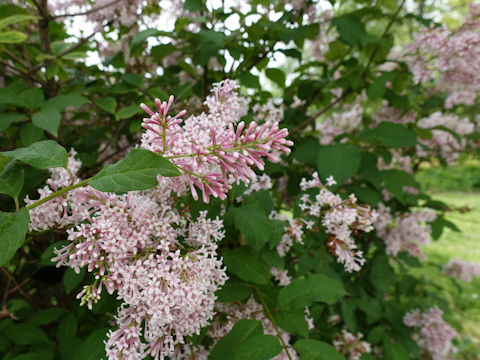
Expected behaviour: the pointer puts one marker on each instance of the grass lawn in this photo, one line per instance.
(463, 297)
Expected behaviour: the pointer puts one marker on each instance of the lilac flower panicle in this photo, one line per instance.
(433, 335)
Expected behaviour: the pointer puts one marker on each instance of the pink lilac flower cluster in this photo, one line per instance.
(444, 143)
(452, 56)
(293, 232)
(260, 182)
(161, 263)
(351, 345)
(405, 232)
(462, 269)
(101, 11)
(341, 219)
(346, 120)
(208, 149)
(280, 276)
(434, 336)
(270, 111)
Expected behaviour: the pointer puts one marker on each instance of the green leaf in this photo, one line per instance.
(242, 330)
(381, 274)
(40, 354)
(234, 289)
(13, 227)
(391, 135)
(395, 180)
(303, 292)
(127, 112)
(108, 104)
(378, 88)
(133, 79)
(142, 36)
(71, 279)
(30, 134)
(249, 80)
(277, 76)
(15, 19)
(8, 97)
(12, 37)
(310, 349)
(47, 119)
(350, 28)
(246, 264)
(194, 5)
(3, 161)
(342, 161)
(93, 348)
(11, 179)
(41, 155)
(6, 119)
(258, 347)
(292, 321)
(47, 316)
(254, 225)
(394, 351)
(26, 334)
(138, 171)
(67, 328)
(61, 102)
(33, 97)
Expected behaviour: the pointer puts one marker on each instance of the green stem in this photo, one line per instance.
(58, 193)
(270, 317)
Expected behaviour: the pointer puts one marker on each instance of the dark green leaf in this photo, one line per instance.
(350, 28)
(292, 321)
(30, 134)
(71, 279)
(108, 104)
(138, 171)
(254, 225)
(6, 119)
(133, 79)
(310, 349)
(127, 112)
(41, 155)
(396, 180)
(391, 135)
(258, 347)
(26, 334)
(276, 75)
(61, 102)
(93, 348)
(381, 275)
(234, 289)
(33, 97)
(242, 330)
(47, 119)
(249, 80)
(303, 292)
(246, 264)
(46, 316)
(13, 227)
(341, 161)
(194, 5)
(7, 96)
(11, 179)
(67, 328)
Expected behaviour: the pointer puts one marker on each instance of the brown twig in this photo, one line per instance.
(307, 122)
(92, 10)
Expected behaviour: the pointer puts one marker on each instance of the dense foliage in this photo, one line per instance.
(268, 209)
